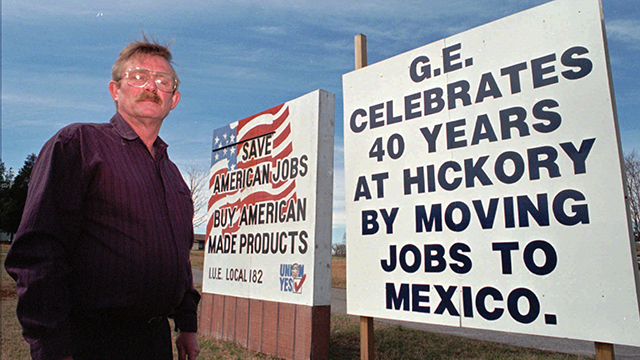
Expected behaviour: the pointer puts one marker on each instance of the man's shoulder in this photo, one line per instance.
(85, 127)
(78, 131)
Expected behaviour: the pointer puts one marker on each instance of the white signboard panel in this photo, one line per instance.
(483, 182)
(271, 186)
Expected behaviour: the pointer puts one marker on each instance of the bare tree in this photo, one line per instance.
(198, 185)
(340, 249)
(632, 166)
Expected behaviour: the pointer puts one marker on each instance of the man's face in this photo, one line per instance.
(147, 103)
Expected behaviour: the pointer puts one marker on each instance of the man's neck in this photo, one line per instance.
(147, 130)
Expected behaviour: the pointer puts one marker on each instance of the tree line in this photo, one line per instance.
(13, 194)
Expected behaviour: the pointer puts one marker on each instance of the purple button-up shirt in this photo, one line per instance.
(106, 228)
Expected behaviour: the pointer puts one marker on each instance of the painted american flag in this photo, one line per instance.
(228, 140)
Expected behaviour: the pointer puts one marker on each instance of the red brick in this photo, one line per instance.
(270, 328)
(229, 327)
(217, 316)
(303, 332)
(291, 332)
(256, 310)
(286, 330)
(242, 322)
(205, 314)
(320, 332)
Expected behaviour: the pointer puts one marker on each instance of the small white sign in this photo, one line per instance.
(484, 185)
(271, 190)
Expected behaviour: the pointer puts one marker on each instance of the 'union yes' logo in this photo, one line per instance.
(292, 277)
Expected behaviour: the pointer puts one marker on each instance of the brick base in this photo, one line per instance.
(284, 330)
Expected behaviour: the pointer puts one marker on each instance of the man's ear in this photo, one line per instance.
(175, 98)
(114, 86)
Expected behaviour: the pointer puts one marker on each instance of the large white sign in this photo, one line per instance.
(271, 186)
(484, 186)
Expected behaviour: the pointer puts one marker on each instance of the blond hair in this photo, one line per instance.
(142, 47)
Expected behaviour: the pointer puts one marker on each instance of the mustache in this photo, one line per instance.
(148, 96)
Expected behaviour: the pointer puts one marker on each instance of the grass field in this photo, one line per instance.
(339, 272)
(391, 342)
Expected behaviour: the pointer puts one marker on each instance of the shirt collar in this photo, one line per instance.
(123, 129)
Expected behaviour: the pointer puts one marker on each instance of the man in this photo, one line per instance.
(101, 258)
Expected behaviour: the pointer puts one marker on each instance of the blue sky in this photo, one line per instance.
(237, 58)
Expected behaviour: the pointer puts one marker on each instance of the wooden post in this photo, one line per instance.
(366, 323)
(604, 351)
(366, 338)
(361, 51)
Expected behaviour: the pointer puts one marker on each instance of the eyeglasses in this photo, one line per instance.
(138, 77)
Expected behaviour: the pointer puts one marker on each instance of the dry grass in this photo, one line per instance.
(339, 272)
(197, 259)
(395, 342)
(13, 346)
(7, 285)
